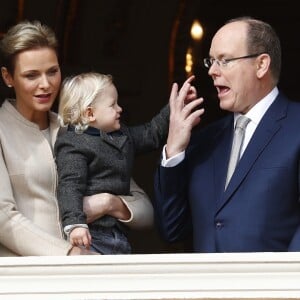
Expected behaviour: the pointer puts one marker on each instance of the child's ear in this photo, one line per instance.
(89, 113)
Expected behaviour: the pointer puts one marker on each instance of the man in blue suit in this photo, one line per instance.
(258, 211)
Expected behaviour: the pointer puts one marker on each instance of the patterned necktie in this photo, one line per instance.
(239, 134)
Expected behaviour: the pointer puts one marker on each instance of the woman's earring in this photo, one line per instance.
(9, 85)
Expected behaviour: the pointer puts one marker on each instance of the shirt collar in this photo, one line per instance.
(256, 113)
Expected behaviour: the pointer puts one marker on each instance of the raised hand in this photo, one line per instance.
(184, 115)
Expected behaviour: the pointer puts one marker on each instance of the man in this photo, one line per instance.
(257, 207)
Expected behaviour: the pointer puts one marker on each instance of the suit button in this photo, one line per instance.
(219, 225)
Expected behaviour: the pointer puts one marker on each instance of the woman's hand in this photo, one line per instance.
(98, 205)
(81, 251)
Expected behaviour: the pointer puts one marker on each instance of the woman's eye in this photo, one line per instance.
(53, 72)
(31, 76)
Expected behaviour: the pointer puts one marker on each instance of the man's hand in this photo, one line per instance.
(184, 115)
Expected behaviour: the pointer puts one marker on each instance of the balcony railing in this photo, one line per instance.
(157, 276)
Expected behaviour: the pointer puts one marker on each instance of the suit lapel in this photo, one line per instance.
(262, 136)
(221, 156)
(115, 139)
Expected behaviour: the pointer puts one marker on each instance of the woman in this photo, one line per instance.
(29, 215)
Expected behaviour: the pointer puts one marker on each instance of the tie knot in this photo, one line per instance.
(242, 122)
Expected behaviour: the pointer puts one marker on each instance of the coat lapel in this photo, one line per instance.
(221, 156)
(262, 136)
(54, 127)
(116, 139)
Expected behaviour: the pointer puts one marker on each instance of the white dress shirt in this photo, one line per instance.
(255, 114)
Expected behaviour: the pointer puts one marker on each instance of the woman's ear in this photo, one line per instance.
(89, 113)
(7, 77)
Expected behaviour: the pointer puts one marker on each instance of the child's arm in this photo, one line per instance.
(72, 170)
(152, 135)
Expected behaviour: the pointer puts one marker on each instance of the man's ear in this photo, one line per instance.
(263, 64)
(7, 77)
(89, 113)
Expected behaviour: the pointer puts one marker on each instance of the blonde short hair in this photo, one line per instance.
(77, 94)
(25, 36)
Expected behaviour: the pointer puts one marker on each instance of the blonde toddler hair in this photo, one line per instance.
(77, 94)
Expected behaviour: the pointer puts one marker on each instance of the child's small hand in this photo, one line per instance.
(80, 236)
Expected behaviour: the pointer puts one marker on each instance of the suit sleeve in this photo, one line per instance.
(295, 243)
(171, 205)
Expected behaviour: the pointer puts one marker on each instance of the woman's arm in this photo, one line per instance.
(135, 210)
(20, 235)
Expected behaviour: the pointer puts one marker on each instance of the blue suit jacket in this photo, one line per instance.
(259, 211)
